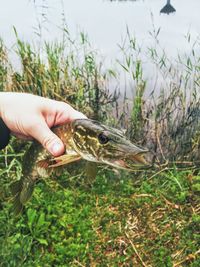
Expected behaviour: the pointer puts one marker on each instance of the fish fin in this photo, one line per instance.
(63, 160)
(43, 168)
(17, 206)
(44, 163)
(26, 192)
(21, 195)
(16, 187)
(91, 170)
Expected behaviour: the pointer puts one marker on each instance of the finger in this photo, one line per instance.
(41, 132)
(22, 136)
(64, 113)
(77, 115)
(68, 115)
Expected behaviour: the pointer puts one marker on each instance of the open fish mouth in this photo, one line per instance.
(132, 162)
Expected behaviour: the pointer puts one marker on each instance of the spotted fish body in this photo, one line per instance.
(83, 139)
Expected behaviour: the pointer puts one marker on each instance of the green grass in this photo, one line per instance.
(118, 220)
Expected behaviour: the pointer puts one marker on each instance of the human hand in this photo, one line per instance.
(30, 116)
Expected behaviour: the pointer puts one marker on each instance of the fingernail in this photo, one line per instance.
(56, 148)
(79, 115)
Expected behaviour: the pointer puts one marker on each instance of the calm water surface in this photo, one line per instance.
(105, 22)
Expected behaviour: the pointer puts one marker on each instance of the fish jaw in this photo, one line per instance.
(132, 163)
(130, 156)
(129, 162)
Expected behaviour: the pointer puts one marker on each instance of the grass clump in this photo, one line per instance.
(115, 222)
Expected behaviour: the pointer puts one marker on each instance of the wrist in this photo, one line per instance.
(4, 130)
(3, 95)
(4, 134)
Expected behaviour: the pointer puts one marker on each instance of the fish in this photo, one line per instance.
(83, 139)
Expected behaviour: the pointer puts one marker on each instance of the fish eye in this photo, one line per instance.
(103, 139)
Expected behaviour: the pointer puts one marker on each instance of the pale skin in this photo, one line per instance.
(29, 116)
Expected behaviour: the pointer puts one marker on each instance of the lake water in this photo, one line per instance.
(105, 22)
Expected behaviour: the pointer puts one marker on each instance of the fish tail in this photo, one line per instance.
(16, 187)
(21, 192)
(27, 192)
(17, 205)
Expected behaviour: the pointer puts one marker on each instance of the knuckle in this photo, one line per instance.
(48, 140)
(32, 126)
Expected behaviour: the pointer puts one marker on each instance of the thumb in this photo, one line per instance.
(48, 139)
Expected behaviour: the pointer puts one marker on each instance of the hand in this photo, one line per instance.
(30, 116)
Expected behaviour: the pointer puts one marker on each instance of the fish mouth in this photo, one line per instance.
(132, 162)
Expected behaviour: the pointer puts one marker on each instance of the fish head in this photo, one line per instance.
(100, 143)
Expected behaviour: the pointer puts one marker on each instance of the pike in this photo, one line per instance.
(84, 139)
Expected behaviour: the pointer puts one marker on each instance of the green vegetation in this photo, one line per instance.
(148, 218)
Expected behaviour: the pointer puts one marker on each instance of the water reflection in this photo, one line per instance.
(168, 8)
